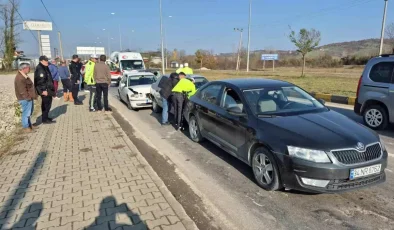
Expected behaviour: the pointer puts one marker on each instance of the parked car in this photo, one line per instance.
(375, 93)
(289, 138)
(155, 95)
(134, 88)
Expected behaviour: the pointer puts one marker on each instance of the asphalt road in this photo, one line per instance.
(232, 200)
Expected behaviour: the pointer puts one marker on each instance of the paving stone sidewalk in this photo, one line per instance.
(83, 173)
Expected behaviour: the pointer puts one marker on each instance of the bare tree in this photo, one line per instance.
(305, 41)
(8, 13)
(390, 33)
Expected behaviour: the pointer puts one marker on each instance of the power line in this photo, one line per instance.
(23, 20)
(50, 15)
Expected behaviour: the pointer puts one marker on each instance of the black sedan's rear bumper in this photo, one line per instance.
(338, 175)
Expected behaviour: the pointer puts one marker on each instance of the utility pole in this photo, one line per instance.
(383, 27)
(39, 42)
(120, 39)
(239, 47)
(162, 39)
(60, 45)
(250, 20)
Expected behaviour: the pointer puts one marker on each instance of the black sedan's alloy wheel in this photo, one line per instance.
(265, 170)
(194, 130)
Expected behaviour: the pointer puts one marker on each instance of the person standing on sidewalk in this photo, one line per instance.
(25, 93)
(55, 76)
(65, 77)
(91, 84)
(44, 86)
(102, 76)
(166, 85)
(79, 68)
(75, 79)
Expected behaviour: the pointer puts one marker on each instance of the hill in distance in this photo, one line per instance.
(366, 47)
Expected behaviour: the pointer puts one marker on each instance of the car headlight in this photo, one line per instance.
(309, 154)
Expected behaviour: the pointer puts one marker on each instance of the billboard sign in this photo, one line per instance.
(90, 50)
(46, 46)
(37, 25)
(270, 57)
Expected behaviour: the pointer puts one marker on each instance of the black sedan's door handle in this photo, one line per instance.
(198, 107)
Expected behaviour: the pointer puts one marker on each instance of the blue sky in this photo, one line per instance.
(205, 24)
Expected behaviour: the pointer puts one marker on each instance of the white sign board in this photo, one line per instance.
(46, 46)
(37, 25)
(90, 50)
(269, 57)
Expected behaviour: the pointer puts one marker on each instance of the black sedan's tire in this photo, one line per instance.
(194, 130)
(375, 117)
(155, 107)
(265, 170)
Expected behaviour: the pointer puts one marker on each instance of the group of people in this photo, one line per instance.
(174, 91)
(46, 81)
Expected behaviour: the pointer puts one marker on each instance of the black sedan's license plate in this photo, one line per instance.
(366, 171)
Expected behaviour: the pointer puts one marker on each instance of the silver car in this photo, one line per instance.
(375, 93)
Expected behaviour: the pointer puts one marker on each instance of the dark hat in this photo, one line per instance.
(43, 58)
(182, 73)
(75, 56)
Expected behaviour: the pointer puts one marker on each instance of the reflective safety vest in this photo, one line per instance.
(187, 70)
(185, 86)
(179, 70)
(89, 69)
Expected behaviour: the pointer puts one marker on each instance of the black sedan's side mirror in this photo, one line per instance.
(322, 101)
(236, 111)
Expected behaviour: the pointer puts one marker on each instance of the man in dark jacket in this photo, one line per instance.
(43, 83)
(166, 85)
(75, 79)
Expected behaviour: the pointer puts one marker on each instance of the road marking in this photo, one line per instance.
(389, 170)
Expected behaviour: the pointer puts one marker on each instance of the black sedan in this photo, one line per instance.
(290, 139)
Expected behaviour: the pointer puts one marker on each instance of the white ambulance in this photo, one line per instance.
(121, 63)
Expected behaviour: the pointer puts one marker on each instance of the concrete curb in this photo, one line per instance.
(335, 98)
(185, 219)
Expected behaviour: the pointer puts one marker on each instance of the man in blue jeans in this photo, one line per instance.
(166, 85)
(25, 93)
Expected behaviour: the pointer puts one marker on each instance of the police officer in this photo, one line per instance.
(75, 79)
(184, 86)
(43, 83)
(90, 82)
(187, 70)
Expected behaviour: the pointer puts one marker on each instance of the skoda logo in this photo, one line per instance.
(360, 146)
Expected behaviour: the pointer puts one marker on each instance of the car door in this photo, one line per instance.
(122, 86)
(206, 106)
(231, 130)
(125, 87)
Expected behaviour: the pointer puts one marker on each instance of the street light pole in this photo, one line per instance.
(239, 47)
(250, 20)
(162, 39)
(383, 27)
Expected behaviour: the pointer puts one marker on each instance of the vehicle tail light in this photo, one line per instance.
(359, 85)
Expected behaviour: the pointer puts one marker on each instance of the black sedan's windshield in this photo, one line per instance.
(281, 100)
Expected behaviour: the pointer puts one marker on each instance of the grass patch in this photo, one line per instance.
(336, 81)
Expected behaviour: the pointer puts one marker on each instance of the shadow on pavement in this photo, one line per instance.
(29, 218)
(55, 113)
(13, 202)
(109, 219)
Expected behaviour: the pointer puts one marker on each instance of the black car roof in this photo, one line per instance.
(255, 83)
